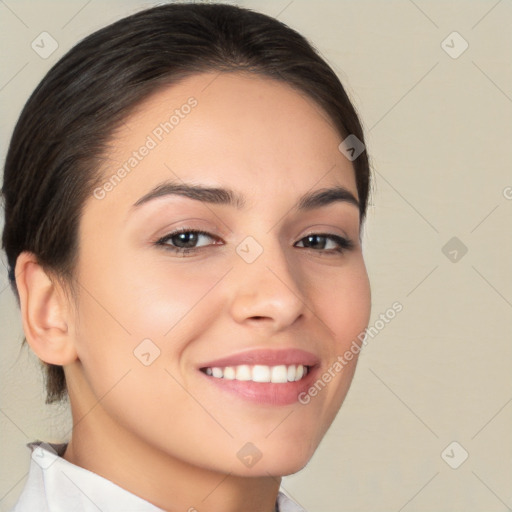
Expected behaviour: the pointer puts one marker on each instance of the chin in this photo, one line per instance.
(282, 460)
(291, 467)
(277, 467)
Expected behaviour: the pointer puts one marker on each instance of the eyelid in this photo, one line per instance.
(184, 229)
(326, 229)
(192, 224)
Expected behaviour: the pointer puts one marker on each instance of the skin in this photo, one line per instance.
(173, 435)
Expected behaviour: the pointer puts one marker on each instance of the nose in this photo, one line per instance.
(267, 292)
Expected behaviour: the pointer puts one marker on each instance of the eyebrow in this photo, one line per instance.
(226, 196)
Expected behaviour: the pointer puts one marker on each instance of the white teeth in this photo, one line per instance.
(260, 373)
(243, 372)
(229, 373)
(279, 374)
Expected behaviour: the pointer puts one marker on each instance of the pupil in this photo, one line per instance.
(310, 241)
(191, 236)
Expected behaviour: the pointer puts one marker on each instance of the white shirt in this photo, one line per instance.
(56, 485)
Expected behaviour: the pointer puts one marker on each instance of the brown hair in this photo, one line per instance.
(52, 164)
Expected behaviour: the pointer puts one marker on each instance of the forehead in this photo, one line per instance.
(245, 131)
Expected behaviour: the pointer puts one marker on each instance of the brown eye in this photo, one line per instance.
(184, 240)
(320, 241)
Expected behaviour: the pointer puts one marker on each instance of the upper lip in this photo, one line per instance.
(265, 357)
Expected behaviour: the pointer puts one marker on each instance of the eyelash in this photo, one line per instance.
(344, 244)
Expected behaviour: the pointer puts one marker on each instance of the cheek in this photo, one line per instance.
(343, 302)
(149, 293)
(131, 302)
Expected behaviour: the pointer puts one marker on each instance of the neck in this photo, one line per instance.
(102, 446)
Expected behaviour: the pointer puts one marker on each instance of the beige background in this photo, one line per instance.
(439, 131)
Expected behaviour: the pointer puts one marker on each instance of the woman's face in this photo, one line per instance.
(269, 286)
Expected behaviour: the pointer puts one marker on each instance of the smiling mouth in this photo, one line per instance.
(279, 374)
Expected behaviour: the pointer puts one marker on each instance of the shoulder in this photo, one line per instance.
(33, 494)
(55, 484)
(286, 504)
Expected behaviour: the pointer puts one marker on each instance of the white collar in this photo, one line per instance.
(60, 486)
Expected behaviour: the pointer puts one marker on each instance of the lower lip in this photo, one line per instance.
(265, 393)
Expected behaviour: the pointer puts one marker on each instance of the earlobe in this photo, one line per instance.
(45, 312)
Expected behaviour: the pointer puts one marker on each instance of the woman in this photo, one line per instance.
(184, 197)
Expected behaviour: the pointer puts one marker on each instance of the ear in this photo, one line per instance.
(45, 312)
